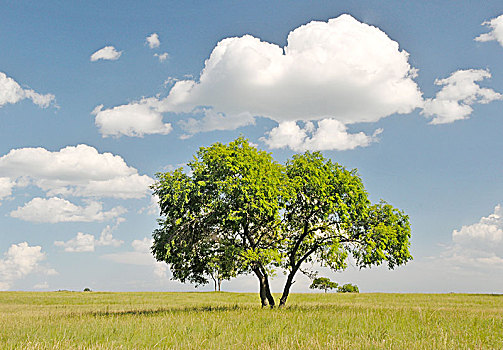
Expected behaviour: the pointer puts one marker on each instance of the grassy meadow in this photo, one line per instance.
(95, 320)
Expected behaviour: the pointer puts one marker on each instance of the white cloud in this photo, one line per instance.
(134, 119)
(342, 70)
(162, 57)
(153, 41)
(87, 243)
(74, 170)
(331, 134)
(460, 91)
(496, 33)
(54, 210)
(479, 244)
(19, 261)
(140, 255)
(81, 243)
(6, 186)
(106, 53)
(12, 92)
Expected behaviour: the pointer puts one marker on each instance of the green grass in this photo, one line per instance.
(75, 320)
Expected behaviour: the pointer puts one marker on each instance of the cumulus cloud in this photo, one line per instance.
(21, 260)
(53, 210)
(11, 92)
(341, 70)
(73, 171)
(331, 134)
(140, 255)
(6, 186)
(479, 244)
(107, 53)
(496, 33)
(162, 57)
(86, 243)
(134, 119)
(153, 41)
(459, 92)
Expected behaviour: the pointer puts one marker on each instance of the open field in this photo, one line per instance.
(78, 320)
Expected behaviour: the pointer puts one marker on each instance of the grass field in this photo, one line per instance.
(78, 320)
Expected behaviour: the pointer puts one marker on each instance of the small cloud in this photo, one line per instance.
(11, 92)
(54, 210)
(107, 53)
(134, 119)
(496, 33)
(86, 243)
(330, 134)
(153, 41)
(162, 57)
(459, 92)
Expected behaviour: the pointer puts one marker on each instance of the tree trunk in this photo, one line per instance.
(268, 293)
(286, 290)
(219, 284)
(263, 297)
(214, 282)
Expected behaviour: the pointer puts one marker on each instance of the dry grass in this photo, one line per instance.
(75, 320)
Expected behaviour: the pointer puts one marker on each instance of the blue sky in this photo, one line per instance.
(96, 98)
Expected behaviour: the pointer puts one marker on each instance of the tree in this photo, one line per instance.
(328, 216)
(348, 288)
(238, 211)
(226, 210)
(323, 283)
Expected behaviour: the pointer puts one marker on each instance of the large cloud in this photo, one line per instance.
(12, 92)
(74, 170)
(459, 91)
(56, 209)
(342, 71)
(496, 33)
(19, 261)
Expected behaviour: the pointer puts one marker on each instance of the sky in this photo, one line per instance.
(97, 97)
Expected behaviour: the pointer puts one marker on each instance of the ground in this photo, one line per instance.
(94, 320)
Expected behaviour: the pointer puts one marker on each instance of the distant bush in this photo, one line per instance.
(348, 288)
(87, 290)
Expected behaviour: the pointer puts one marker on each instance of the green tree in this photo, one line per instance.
(328, 216)
(227, 207)
(323, 283)
(348, 288)
(238, 211)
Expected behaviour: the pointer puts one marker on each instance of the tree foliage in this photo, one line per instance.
(348, 288)
(323, 283)
(238, 211)
(226, 212)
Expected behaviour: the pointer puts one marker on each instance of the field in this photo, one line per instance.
(93, 320)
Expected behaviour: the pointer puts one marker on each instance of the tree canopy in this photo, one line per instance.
(238, 211)
(323, 283)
